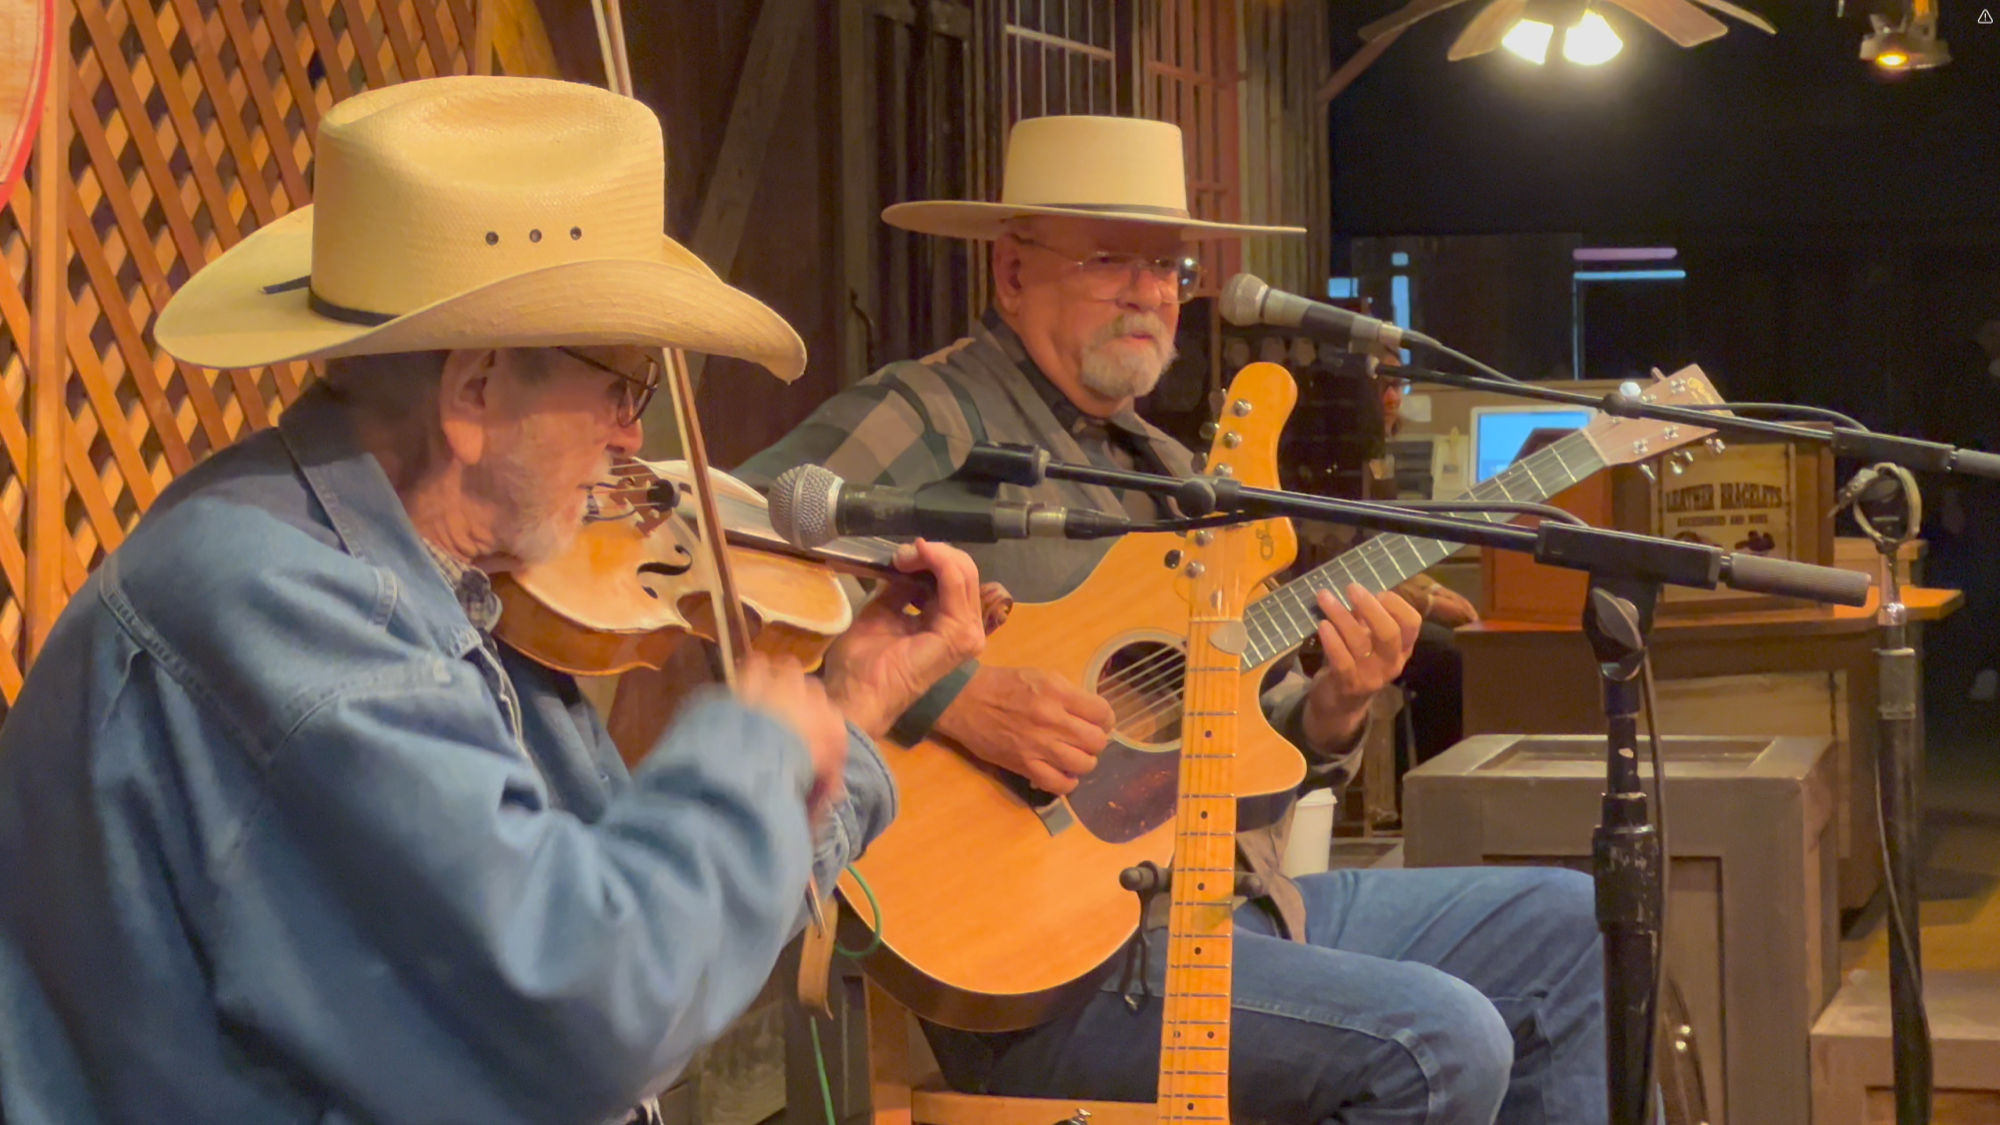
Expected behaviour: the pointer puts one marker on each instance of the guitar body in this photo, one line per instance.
(999, 901)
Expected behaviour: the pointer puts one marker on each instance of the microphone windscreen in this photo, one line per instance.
(801, 505)
(1242, 299)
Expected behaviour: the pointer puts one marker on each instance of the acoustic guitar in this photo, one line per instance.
(999, 901)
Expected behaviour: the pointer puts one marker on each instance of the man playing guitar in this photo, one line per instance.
(1359, 995)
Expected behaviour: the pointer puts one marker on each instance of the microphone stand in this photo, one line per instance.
(1628, 864)
(1889, 510)
(1627, 572)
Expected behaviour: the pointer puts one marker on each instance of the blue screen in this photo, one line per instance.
(1499, 435)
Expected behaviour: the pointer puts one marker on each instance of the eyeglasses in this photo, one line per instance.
(1106, 274)
(638, 389)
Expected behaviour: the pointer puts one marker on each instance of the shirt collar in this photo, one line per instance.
(363, 509)
(473, 587)
(1071, 418)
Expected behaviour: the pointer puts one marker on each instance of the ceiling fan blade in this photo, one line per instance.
(1405, 16)
(1678, 20)
(1486, 29)
(1741, 13)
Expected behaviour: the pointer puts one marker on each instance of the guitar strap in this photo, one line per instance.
(816, 961)
(1258, 851)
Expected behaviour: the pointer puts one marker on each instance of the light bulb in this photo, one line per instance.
(1591, 42)
(1530, 40)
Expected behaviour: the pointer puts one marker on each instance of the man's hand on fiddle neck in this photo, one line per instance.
(891, 655)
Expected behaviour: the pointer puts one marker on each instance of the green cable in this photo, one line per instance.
(874, 908)
(812, 1021)
(819, 1056)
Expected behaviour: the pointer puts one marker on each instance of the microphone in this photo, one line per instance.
(812, 506)
(1246, 300)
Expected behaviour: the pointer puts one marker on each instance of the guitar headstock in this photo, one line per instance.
(1254, 413)
(1626, 441)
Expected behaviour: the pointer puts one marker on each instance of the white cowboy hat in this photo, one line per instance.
(473, 212)
(1123, 168)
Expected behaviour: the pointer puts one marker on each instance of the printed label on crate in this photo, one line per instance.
(1739, 501)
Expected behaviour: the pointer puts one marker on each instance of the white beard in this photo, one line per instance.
(1120, 373)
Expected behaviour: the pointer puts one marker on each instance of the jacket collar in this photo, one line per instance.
(364, 511)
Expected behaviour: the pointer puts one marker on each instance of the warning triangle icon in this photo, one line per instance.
(1985, 15)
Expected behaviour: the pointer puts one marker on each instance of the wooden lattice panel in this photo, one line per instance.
(190, 125)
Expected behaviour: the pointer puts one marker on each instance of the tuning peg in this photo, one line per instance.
(1208, 430)
(1646, 467)
(1716, 445)
(1678, 461)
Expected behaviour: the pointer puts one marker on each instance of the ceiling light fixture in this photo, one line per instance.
(1529, 27)
(1910, 43)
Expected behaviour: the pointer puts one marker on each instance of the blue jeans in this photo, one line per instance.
(1448, 996)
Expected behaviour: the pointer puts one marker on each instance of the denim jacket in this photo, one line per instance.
(270, 850)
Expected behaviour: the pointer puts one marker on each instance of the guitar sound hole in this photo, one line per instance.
(1144, 682)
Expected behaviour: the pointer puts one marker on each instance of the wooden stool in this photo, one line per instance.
(906, 1089)
(1852, 1075)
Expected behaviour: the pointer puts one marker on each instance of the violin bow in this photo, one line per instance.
(732, 627)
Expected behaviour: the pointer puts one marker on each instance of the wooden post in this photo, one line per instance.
(482, 36)
(48, 365)
(746, 139)
(1356, 63)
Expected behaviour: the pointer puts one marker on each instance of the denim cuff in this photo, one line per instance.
(914, 725)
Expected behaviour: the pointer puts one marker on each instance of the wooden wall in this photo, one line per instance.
(173, 129)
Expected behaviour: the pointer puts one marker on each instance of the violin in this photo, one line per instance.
(636, 582)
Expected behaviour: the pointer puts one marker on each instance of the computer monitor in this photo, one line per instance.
(1499, 432)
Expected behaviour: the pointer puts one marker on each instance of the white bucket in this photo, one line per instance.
(1311, 841)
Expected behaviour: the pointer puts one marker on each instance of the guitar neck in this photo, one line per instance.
(1194, 1034)
(1284, 619)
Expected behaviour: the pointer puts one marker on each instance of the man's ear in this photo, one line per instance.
(465, 402)
(1007, 274)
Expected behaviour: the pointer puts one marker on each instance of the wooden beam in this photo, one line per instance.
(48, 365)
(753, 115)
(1356, 63)
(482, 36)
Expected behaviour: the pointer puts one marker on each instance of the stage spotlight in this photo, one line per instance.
(1910, 43)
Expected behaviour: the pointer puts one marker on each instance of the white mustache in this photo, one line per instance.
(1128, 324)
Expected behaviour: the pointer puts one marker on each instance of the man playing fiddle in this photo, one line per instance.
(286, 834)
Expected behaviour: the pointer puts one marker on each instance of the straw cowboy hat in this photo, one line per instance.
(1123, 168)
(473, 212)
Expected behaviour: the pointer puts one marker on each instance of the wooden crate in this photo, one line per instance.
(1752, 927)
(1852, 1070)
(1516, 588)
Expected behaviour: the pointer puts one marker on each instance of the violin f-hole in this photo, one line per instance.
(682, 563)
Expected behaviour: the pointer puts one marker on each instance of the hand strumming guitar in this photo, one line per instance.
(1030, 722)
